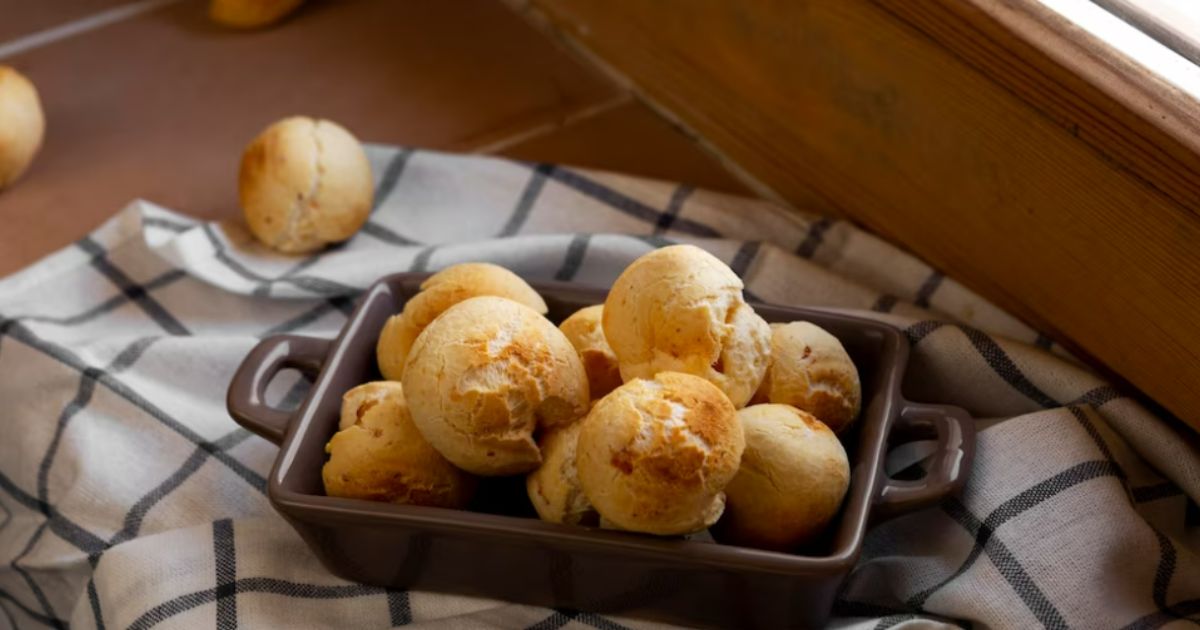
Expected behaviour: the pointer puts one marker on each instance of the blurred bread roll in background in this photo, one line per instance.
(378, 454)
(22, 124)
(680, 309)
(304, 184)
(586, 332)
(554, 487)
(251, 13)
(486, 374)
(810, 370)
(793, 477)
(655, 454)
(438, 293)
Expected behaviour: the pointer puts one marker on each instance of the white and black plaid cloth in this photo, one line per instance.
(130, 499)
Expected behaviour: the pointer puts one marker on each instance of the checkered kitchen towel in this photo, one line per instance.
(129, 499)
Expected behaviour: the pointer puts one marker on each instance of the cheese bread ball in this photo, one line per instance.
(810, 370)
(586, 333)
(791, 483)
(655, 455)
(438, 293)
(304, 184)
(251, 13)
(680, 309)
(554, 487)
(21, 124)
(484, 376)
(378, 454)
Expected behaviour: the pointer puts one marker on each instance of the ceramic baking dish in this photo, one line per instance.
(500, 550)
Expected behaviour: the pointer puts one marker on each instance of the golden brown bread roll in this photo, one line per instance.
(554, 487)
(251, 13)
(680, 309)
(304, 184)
(584, 330)
(484, 376)
(21, 124)
(654, 455)
(793, 477)
(438, 293)
(378, 454)
(811, 371)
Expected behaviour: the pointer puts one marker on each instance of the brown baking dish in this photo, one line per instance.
(500, 550)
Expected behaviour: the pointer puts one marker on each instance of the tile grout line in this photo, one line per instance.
(92, 22)
(543, 129)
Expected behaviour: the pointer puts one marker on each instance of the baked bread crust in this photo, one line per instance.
(22, 124)
(655, 455)
(251, 13)
(793, 477)
(438, 293)
(810, 370)
(378, 454)
(484, 376)
(680, 309)
(304, 184)
(554, 488)
(585, 330)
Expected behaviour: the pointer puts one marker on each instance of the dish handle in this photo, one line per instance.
(950, 463)
(246, 399)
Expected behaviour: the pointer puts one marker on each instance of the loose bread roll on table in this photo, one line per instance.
(378, 454)
(304, 184)
(21, 124)
(554, 488)
(438, 293)
(655, 455)
(791, 483)
(487, 373)
(680, 309)
(586, 332)
(250, 13)
(811, 371)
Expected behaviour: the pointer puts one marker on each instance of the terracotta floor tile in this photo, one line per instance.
(22, 17)
(160, 106)
(633, 139)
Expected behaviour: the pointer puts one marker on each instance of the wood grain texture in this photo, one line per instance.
(630, 139)
(990, 137)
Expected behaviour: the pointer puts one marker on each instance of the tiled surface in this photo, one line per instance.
(159, 106)
(633, 139)
(22, 17)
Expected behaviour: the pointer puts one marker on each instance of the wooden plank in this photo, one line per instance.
(990, 137)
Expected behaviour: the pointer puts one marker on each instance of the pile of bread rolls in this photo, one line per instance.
(630, 415)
